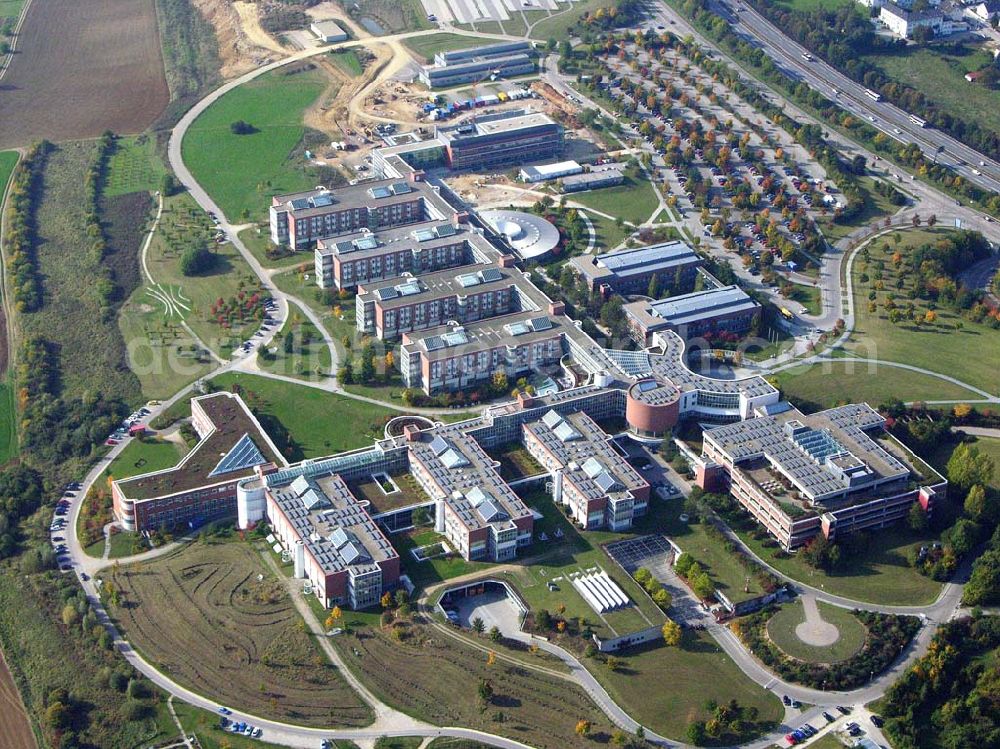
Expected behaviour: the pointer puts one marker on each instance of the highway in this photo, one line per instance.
(788, 55)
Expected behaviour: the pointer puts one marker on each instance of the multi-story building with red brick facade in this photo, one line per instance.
(388, 309)
(589, 476)
(454, 357)
(833, 472)
(202, 486)
(333, 541)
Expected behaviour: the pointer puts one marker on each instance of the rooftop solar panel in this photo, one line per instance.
(401, 188)
(446, 230)
(321, 201)
(244, 454)
(379, 192)
(489, 275)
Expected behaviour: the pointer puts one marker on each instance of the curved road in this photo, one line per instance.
(390, 722)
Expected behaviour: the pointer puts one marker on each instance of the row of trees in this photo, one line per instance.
(847, 41)
(764, 67)
(23, 196)
(94, 182)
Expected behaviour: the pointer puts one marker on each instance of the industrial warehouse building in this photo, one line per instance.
(475, 64)
(512, 137)
(724, 309)
(629, 271)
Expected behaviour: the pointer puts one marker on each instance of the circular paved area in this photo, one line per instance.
(814, 631)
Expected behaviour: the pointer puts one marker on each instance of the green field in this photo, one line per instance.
(634, 201)
(144, 456)
(939, 76)
(781, 630)
(241, 172)
(309, 357)
(8, 160)
(347, 61)
(876, 207)
(969, 353)
(425, 47)
(667, 688)
(808, 296)
(809, 5)
(392, 16)
(832, 382)
(880, 573)
(558, 26)
(10, 8)
(134, 166)
(8, 428)
(320, 423)
(259, 242)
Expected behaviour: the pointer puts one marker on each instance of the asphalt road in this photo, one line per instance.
(888, 118)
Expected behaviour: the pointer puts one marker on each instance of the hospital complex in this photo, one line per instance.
(448, 289)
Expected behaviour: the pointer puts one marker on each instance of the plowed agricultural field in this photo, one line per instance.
(82, 68)
(15, 731)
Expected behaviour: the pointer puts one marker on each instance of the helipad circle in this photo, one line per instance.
(530, 236)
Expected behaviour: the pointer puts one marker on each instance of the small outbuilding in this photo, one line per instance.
(328, 31)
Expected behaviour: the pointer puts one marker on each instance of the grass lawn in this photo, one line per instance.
(876, 207)
(781, 630)
(241, 172)
(134, 166)
(696, 672)
(8, 159)
(830, 383)
(347, 61)
(146, 455)
(827, 741)
(878, 574)
(11, 8)
(259, 242)
(183, 225)
(723, 567)
(399, 742)
(808, 296)
(939, 76)
(425, 47)
(307, 357)
(8, 417)
(559, 25)
(609, 234)
(202, 615)
(989, 445)
(969, 353)
(431, 571)
(320, 423)
(634, 201)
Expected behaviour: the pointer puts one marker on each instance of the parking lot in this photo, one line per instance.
(656, 555)
(493, 607)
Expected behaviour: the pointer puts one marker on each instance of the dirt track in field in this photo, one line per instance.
(15, 730)
(82, 68)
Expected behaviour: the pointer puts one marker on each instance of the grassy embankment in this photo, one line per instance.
(242, 172)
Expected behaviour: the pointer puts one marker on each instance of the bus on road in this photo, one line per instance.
(917, 121)
(874, 95)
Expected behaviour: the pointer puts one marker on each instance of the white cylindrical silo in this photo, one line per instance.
(557, 487)
(250, 502)
(299, 555)
(439, 516)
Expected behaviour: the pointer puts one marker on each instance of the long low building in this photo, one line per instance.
(515, 136)
(477, 69)
(589, 476)
(629, 271)
(592, 180)
(387, 309)
(833, 472)
(543, 172)
(725, 309)
(202, 487)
